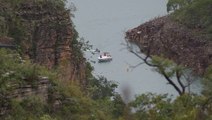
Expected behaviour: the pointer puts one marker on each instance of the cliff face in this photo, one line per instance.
(174, 41)
(50, 33)
(19, 93)
(46, 35)
(49, 38)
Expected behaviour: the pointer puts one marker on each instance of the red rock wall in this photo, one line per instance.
(50, 37)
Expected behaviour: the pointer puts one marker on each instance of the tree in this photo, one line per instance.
(207, 92)
(101, 88)
(192, 13)
(65, 100)
(159, 107)
(173, 5)
(177, 76)
(184, 107)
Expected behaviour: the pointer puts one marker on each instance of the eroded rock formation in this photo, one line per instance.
(20, 92)
(50, 40)
(50, 37)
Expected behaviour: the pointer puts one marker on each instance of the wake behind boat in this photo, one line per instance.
(105, 57)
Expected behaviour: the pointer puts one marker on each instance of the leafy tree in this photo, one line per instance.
(174, 5)
(159, 107)
(207, 92)
(177, 76)
(15, 72)
(102, 88)
(193, 13)
(208, 82)
(119, 106)
(151, 107)
(3, 27)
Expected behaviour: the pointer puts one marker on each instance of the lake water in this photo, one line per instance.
(103, 23)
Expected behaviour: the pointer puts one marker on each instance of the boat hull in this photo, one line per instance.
(104, 59)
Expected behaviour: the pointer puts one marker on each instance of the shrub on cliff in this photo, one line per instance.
(15, 73)
(193, 13)
(65, 99)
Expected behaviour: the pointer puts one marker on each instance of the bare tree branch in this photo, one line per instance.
(147, 60)
(178, 76)
(172, 83)
(135, 66)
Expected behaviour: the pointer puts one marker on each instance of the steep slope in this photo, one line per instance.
(45, 33)
(175, 41)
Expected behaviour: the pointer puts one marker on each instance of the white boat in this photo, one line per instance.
(105, 57)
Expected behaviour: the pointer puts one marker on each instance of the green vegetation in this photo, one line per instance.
(68, 100)
(98, 101)
(65, 101)
(186, 106)
(193, 13)
(14, 26)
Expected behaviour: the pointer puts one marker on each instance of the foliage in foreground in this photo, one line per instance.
(65, 98)
(98, 101)
(187, 106)
(68, 101)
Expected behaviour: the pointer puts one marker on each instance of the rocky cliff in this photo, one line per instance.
(41, 31)
(21, 92)
(48, 36)
(175, 41)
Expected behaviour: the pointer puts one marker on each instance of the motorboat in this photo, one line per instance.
(105, 57)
